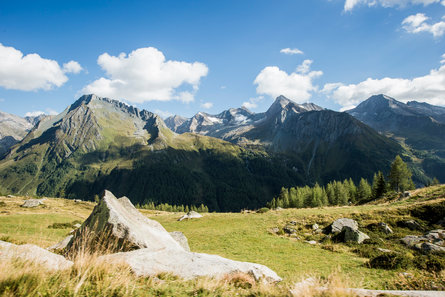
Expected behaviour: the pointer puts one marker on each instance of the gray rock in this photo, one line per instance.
(275, 230)
(77, 226)
(412, 225)
(33, 253)
(181, 239)
(187, 265)
(385, 228)
(10, 196)
(31, 203)
(315, 227)
(190, 215)
(289, 230)
(353, 235)
(429, 248)
(435, 235)
(385, 250)
(293, 223)
(77, 201)
(116, 225)
(61, 245)
(338, 225)
(312, 242)
(412, 240)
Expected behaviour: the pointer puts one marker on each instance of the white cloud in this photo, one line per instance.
(443, 57)
(72, 67)
(30, 72)
(298, 85)
(417, 23)
(292, 51)
(350, 4)
(34, 113)
(428, 88)
(163, 114)
(145, 75)
(252, 103)
(207, 105)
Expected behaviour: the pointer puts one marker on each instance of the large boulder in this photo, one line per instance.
(115, 225)
(148, 248)
(35, 254)
(31, 203)
(61, 245)
(352, 235)
(181, 239)
(190, 215)
(187, 265)
(337, 226)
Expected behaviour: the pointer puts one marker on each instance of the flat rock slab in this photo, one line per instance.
(190, 215)
(115, 225)
(31, 203)
(376, 293)
(188, 265)
(33, 253)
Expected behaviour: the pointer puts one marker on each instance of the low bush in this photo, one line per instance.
(263, 210)
(391, 261)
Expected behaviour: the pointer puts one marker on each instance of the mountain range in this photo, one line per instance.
(229, 161)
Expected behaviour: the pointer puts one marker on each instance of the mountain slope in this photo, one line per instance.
(99, 143)
(12, 129)
(420, 127)
(321, 144)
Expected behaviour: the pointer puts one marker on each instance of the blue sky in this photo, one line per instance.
(190, 56)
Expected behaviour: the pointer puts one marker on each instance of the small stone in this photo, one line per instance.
(411, 240)
(77, 226)
(385, 228)
(315, 227)
(410, 224)
(275, 230)
(313, 242)
(10, 196)
(293, 223)
(289, 230)
(384, 250)
(430, 248)
(77, 201)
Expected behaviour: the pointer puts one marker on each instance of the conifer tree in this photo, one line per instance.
(363, 191)
(400, 176)
(378, 185)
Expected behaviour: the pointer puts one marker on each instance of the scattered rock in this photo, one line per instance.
(30, 203)
(289, 230)
(275, 230)
(116, 225)
(61, 245)
(406, 194)
(181, 239)
(410, 224)
(190, 215)
(293, 223)
(187, 265)
(315, 227)
(77, 201)
(429, 248)
(385, 228)
(10, 196)
(313, 242)
(411, 240)
(353, 235)
(279, 208)
(77, 226)
(337, 225)
(385, 250)
(33, 253)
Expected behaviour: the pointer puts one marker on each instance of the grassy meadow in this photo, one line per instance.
(244, 237)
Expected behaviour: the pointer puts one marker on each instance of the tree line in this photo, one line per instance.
(347, 192)
(173, 208)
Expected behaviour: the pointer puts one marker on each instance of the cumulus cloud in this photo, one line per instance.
(292, 51)
(443, 57)
(36, 113)
(164, 114)
(350, 4)
(31, 72)
(297, 85)
(417, 23)
(72, 67)
(428, 88)
(145, 75)
(207, 105)
(252, 103)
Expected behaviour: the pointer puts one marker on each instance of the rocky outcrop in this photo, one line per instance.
(31, 203)
(432, 242)
(144, 245)
(188, 265)
(115, 225)
(338, 225)
(352, 235)
(35, 254)
(190, 215)
(181, 239)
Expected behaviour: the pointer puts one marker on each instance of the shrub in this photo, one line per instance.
(2, 204)
(390, 261)
(263, 210)
(432, 263)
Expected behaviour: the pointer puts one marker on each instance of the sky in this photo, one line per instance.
(185, 56)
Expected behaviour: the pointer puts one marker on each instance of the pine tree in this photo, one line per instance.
(378, 185)
(363, 191)
(400, 176)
